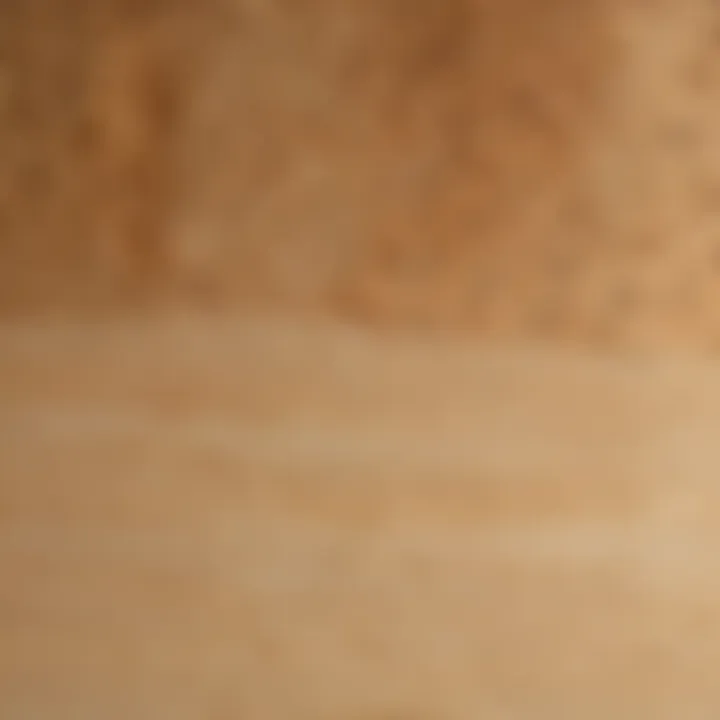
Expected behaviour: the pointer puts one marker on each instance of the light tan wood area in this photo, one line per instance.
(250, 518)
(334, 359)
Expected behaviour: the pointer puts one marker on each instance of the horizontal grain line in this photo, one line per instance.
(530, 450)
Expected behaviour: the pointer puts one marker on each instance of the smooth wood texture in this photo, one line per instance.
(209, 511)
(263, 519)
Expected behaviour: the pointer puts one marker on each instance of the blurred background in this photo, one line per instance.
(518, 167)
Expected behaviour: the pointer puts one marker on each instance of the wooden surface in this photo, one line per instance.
(207, 511)
(505, 167)
(255, 518)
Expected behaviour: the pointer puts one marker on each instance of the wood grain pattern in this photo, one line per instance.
(256, 518)
(331, 512)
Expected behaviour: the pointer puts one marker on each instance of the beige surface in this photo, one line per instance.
(256, 519)
(207, 510)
